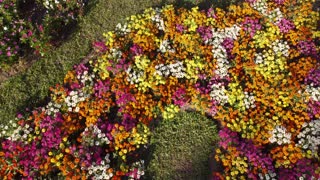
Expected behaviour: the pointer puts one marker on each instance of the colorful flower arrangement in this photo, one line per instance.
(254, 69)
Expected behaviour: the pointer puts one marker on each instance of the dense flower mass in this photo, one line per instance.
(253, 68)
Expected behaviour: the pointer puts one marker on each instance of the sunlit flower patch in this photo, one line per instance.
(254, 69)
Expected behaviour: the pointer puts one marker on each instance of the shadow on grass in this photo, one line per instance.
(182, 148)
(202, 4)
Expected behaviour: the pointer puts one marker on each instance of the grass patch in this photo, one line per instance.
(181, 147)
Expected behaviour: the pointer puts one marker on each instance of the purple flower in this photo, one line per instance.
(308, 48)
(279, 2)
(313, 78)
(303, 167)
(313, 108)
(179, 97)
(205, 32)
(128, 122)
(100, 46)
(211, 13)
(180, 28)
(285, 25)
(136, 50)
(251, 25)
(101, 87)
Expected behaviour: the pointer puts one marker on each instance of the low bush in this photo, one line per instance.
(12, 28)
(34, 25)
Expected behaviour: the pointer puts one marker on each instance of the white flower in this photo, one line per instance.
(260, 6)
(281, 47)
(280, 136)
(218, 93)
(313, 92)
(309, 137)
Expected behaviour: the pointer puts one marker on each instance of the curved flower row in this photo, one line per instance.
(253, 68)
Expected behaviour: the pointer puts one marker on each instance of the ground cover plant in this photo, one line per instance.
(33, 26)
(254, 69)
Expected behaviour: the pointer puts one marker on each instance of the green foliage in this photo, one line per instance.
(181, 147)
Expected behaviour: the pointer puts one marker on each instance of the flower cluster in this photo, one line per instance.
(309, 139)
(101, 171)
(280, 136)
(240, 66)
(170, 111)
(176, 69)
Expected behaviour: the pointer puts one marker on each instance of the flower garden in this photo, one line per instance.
(254, 69)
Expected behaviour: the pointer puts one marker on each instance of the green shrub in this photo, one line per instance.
(181, 147)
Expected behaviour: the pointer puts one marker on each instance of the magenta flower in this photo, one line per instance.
(101, 87)
(313, 78)
(136, 50)
(123, 97)
(251, 25)
(205, 32)
(279, 2)
(179, 98)
(180, 28)
(228, 45)
(308, 48)
(285, 25)
(211, 13)
(100, 46)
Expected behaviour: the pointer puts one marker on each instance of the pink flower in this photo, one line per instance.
(251, 25)
(40, 28)
(100, 46)
(211, 13)
(29, 33)
(285, 25)
(279, 2)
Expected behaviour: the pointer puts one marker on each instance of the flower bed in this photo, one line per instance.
(36, 25)
(254, 69)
